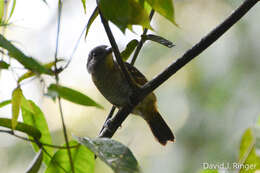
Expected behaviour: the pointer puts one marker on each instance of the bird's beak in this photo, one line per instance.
(109, 50)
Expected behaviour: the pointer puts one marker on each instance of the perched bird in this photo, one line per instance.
(110, 81)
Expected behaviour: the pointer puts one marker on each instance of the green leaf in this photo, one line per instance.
(27, 62)
(129, 49)
(247, 154)
(209, 171)
(4, 103)
(91, 20)
(36, 163)
(12, 11)
(4, 65)
(165, 8)
(124, 13)
(2, 10)
(22, 127)
(113, 153)
(16, 103)
(32, 115)
(84, 5)
(71, 95)
(159, 40)
(82, 157)
(31, 74)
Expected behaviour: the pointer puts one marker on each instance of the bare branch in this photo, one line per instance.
(198, 48)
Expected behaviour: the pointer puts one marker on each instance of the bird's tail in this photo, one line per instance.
(160, 129)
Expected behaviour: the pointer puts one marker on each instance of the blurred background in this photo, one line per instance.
(208, 104)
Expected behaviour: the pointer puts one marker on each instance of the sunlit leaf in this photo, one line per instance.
(84, 5)
(4, 103)
(159, 40)
(129, 49)
(27, 62)
(91, 20)
(32, 115)
(165, 8)
(113, 153)
(31, 74)
(36, 163)
(12, 10)
(4, 65)
(247, 154)
(2, 10)
(209, 171)
(16, 104)
(71, 95)
(124, 13)
(82, 157)
(22, 127)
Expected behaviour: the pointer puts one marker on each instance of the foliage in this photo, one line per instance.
(79, 156)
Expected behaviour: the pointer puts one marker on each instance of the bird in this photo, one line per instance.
(109, 79)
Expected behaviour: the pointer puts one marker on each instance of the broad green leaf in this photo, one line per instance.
(31, 74)
(91, 20)
(129, 49)
(4, 103)
(82, 157)
(12, 10)
(247, 154)
(32, 115)
(159, 40)
(165, 8)
(36, 163)
(71, 95)
(124, 13)
(113, 153)
(16, 104)
(22, 127)
(4, 65)
(84, 5)
(27, 62)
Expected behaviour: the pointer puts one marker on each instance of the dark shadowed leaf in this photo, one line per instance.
(32, 115)
(36, 163)
(82, 157)
(4, 103)
(16, 104)
(71, 95)
(113, 153)
(124, 13)
(91, 20)
(84, 5)
(4, 65)
(22, 127)
(165, 8)
(247, 154)
(159, 40)
(27, 62)
(129, 49)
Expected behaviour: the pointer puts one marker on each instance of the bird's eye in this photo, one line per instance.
(94, 54)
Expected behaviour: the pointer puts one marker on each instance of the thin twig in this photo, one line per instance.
(57, 82)
(141, 42)
(10, 132)
(205, 42)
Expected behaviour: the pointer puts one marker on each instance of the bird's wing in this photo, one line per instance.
(136, 74)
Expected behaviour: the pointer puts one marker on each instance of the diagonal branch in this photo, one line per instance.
(116, 50)
(198, 48)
